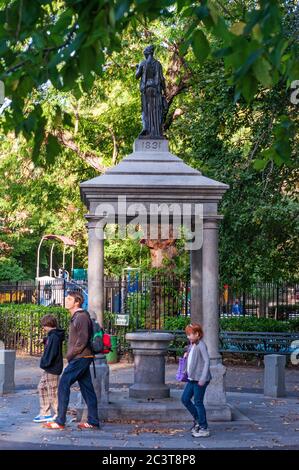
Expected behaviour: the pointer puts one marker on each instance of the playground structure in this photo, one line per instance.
(53, 288)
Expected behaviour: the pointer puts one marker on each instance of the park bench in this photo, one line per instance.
(254, 342)
(177, 345)
(243, 342)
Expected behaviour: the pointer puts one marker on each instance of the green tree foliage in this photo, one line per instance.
(10, 270)
(77, 130)
(259, 233)
(66, 43)
(35, 201)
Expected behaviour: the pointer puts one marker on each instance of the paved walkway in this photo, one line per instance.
(261, 423)
(238, 378)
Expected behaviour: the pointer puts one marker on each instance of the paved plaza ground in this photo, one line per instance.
(259, 422)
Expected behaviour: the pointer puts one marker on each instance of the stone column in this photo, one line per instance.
(96, 305)
(7, 371)
(196, 286)
(96, 271)
(210, 294)
(274, 375)
(215, 396)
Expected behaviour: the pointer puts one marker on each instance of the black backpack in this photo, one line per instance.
(96, 337)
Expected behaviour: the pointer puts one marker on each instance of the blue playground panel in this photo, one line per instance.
(79, 274)
(132, 283)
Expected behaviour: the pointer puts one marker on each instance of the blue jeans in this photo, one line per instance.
(197, 408)
(77, 370)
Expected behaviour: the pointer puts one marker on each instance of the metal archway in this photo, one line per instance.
(66, 242)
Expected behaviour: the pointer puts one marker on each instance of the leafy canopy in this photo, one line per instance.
(66, 43)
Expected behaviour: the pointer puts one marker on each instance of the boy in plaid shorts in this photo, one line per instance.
(52, 364)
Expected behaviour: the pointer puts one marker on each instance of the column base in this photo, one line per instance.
(215, 394)
(101, 388)
(164, 410)
(149, 391)
(101, 381)
(215, 397)
(219, 413)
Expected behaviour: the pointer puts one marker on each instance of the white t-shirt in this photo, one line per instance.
(189, 359)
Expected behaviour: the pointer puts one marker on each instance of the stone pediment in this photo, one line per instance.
(152, 170)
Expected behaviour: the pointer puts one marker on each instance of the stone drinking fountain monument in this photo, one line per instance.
(151, 176)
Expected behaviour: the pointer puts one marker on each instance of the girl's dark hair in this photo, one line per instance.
(49, 320)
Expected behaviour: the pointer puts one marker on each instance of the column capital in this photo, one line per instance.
(93, 222)
(212, 221)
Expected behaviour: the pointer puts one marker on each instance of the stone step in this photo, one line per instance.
(122, 407)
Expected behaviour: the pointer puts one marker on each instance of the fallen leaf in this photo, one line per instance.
(156, 431)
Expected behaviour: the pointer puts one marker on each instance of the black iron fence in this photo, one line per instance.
(20, 328)
(271, 300)
(131, 303)
(149, 300)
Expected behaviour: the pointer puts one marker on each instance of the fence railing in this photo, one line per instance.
(20, 329)
(271, 300)
(150, 299)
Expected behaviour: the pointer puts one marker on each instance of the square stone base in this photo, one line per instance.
(123, 407)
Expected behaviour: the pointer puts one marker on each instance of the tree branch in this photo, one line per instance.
(179, 75)
(20, 19)
(44, 52)
(65, 138)
(115, 146)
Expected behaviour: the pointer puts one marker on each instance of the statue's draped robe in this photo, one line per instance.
(152, 84)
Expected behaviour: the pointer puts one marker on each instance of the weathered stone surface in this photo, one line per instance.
(165, 410)
(148, 170)
(149, 351)
(152, 176)
(215, 393)
(7, 371)
(151, 145)
(274, 375)
(215, 397)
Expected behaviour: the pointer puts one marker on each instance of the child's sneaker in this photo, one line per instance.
(42, 419)
(198, 432)
(195, 426)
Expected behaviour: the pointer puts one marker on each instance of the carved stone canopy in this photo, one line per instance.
(151, 174)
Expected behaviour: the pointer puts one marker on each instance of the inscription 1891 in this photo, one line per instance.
(151, 145)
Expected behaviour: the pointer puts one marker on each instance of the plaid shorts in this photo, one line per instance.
(48, 393)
